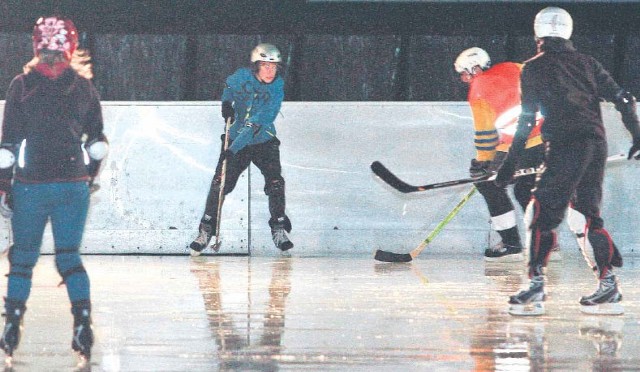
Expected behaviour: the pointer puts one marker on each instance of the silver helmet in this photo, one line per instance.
(470, 58)
(553, 22)
(266, 53)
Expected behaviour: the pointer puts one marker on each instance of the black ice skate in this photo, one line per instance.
(531, 301)
(504, 253)
(204, 237)
(82, 333)
(279, 235)
(12, 329)
(605, 300)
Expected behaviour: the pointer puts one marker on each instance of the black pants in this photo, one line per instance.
(265, 156)
(497, 199)
(574, 173)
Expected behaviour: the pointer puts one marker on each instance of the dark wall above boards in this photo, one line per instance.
(371, 50)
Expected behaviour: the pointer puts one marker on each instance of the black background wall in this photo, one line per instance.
(334, 50)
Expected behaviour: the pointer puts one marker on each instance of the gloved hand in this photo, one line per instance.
(505, 173)
(635, 148)
(228, 111)
(226, 155)
(6, 205)
(479, 168)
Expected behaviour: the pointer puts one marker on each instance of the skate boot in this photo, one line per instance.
(279, 234)
(82, 333)
(204, 237)
(531, 301)
(605, 300)
(504, 253)
(12, 327)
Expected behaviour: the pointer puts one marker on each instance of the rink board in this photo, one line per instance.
(163, 154)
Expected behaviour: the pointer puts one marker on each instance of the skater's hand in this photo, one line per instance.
(479, 168)
(634, 151)
(227, 155)
(505, 173)
(228, 112)
(6, 205)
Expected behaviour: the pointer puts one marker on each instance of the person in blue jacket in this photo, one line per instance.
(251, 100)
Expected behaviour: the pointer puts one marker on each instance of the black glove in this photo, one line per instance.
(505, 173)
(479, 168)
(226, 155)
(634, 149)
(228, 111)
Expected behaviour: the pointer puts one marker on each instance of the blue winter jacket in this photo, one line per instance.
(256, 106)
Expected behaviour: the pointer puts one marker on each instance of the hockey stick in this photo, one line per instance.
(385, 256)
(407, 257)
(223, 177)
(398, 184)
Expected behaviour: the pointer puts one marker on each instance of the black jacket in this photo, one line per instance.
(567, 87)
(53, 118)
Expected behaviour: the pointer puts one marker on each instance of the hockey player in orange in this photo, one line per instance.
(494, 97)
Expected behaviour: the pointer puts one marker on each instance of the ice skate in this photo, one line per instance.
(12, 330)
(605, 300)
(202, 240)
(82, 333)
(279, 235)
(504, 253)
(529, 302)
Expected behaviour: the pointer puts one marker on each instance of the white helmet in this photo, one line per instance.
(470, 58)
(553, 22)
(266, 53)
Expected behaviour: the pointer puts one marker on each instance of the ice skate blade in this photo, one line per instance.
(518, 257)
(603, 309)
(532, 309)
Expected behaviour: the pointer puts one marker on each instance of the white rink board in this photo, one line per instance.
(155, 180)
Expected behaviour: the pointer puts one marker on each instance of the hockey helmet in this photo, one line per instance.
(470, 58)
(264, 52)
(54, 33)
(553, 22)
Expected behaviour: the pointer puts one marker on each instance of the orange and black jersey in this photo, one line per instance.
(494, 97)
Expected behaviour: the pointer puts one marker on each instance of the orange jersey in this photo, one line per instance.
(494, 97)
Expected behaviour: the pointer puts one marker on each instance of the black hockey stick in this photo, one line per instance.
(385, 256)
(407, 257)
(398, 184)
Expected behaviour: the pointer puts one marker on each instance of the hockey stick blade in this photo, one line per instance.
(407, 257)
(385, 256)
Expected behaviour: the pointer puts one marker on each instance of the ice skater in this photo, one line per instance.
(567, 87)
(494, 98)
(251, 100)
(50, 152)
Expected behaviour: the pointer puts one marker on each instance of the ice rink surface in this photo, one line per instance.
(222, 313)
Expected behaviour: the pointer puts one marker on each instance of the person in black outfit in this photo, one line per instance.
(567, 87)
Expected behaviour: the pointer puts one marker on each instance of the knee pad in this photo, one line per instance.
(21, 262)
(68, 262)
(274, 186)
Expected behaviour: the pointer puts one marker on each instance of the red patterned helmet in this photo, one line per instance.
(55, 33)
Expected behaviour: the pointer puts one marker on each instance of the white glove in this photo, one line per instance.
(5, 208)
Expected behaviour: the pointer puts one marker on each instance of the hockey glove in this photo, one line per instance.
(505, 173)
(479, 168)
(6, 205)
(634, 150)
(228, 112)
(226, 155)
